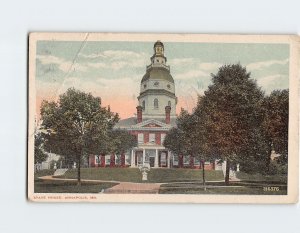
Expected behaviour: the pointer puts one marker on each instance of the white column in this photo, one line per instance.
(132, 159)
(144, 154)
(156, 158)
(169, 158)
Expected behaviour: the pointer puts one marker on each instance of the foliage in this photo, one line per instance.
(122, 141)
(39, 153)
(77, 125)
(276, 122)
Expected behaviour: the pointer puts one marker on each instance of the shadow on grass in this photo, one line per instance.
(69, 187)
(237, 187)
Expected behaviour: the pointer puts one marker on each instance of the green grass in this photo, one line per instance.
(109, 174)
(259, 177)
(246, 188)
(69, 187)
(224, 191)
(161, 175)
(182, 175)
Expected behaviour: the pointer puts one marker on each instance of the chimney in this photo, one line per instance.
(139, 111)
(168, 111)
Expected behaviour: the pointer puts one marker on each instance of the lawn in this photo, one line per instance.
(259, 177)
(238, 187)
(222, 190)
(161, 175)
(69, 187)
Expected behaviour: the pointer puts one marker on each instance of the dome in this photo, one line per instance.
(158, 73)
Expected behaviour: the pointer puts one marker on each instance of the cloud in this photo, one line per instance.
(211, 66)
(191, 74)
(115, 59)
(182, 61)
(272, 82)
(264, 64)
(62, 64)
(114, 55)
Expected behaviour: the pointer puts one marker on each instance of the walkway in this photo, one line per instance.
(128, 187)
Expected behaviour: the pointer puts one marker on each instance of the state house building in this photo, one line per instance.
(156, 115)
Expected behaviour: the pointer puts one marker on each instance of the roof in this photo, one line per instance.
(158, 73)
(128, 122)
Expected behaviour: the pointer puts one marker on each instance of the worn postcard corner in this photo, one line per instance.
(163, 118)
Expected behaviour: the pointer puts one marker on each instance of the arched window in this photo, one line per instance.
(169, 103)
(155, 103)
(143, 104)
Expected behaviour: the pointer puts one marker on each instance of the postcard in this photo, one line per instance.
(163, 118)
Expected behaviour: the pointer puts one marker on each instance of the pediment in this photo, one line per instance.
(152, 123)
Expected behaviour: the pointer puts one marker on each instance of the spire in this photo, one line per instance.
(158, 48)
(158, 57)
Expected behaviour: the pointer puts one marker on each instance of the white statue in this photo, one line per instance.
(145, 169)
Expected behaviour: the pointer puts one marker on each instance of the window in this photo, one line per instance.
(107, 159)
(143, 104)
(155, 103)
(145, 85)
(162, 137)
(169, 86)
(169, 103)
(186, 159)
(196, 161)
(127, 158)
(97, 159)
(152, 137)
(175, 160)
(156, 84)
(118, 159)
(140, 138)
(163, 159)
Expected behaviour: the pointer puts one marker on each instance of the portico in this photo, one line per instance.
(156, 157)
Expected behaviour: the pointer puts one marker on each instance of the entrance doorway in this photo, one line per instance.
(152, 161)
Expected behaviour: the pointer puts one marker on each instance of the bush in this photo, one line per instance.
(277, 168)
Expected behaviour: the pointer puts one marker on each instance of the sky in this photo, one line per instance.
(113, 70)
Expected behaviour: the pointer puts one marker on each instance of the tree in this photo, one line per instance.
(39, 153)
(77, 125)
(276, 123)
(232, 114)
(122, 141)
(187, 139)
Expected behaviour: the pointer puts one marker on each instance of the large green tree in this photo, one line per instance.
(232, 115)
(187, 139)
(276, 123)
(77, 125)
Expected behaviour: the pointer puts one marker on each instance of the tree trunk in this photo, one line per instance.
(78, 171)
(227, 172)
(203, 174)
